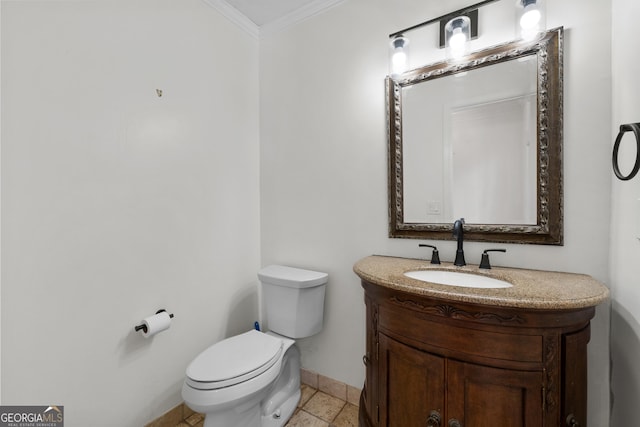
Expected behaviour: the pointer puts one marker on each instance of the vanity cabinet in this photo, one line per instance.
(474, 394)
(437, 362)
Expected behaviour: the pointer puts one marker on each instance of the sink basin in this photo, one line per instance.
(454, 278)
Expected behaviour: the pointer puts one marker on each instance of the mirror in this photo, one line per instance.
(479, 139)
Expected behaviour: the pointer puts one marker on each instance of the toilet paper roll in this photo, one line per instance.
(156, 323)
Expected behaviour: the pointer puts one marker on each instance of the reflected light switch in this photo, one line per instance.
(433, 207)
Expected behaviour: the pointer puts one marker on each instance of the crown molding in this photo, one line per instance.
(305, 12)
(234, 15)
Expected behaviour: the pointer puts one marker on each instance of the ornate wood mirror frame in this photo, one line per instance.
(549, 227)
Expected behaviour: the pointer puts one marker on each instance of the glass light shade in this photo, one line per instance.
(457, 33)
(399, 60)
(530, 20)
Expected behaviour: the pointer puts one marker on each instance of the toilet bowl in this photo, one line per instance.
(253, 379)
(261, 381)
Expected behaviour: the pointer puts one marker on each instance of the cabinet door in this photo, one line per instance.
(479, 396)
(574, 384)
(411, 385)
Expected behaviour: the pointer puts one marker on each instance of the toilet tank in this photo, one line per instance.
(293, 300)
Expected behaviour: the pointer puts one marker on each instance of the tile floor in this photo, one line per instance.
(193, 420)
(316, 409)
(319, 409)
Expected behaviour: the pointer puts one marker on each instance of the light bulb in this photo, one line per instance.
(458, 38)
(457, 43)
(398, 62)
(399, 56)
(457, 35)
(531, 17)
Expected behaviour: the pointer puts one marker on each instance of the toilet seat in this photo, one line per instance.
(234, 360)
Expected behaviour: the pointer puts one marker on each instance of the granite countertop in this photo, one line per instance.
(535, 289)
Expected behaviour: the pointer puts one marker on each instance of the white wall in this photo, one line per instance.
(324, 173)
(625, 229)
(116, 202)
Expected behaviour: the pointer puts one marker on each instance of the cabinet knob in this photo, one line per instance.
(571, 421)
(434, 419)
(365, 359)
(454, 423)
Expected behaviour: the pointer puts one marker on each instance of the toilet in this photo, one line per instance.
(253, 379)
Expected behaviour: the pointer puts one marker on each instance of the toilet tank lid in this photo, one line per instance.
(292, 277)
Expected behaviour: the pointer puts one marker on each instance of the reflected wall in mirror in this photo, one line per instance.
(479, 139)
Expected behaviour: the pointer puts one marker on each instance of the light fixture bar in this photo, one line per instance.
(445, 18)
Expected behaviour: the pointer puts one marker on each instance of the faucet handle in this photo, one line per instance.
(484, 263)
(435, 258)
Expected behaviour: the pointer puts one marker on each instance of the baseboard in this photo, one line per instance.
(330, 386)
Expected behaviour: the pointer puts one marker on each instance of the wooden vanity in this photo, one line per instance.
(447, 356)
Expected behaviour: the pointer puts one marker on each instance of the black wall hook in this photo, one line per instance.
(631, 127)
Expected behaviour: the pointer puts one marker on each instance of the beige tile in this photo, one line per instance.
(309, 378)
(186, 411)
(348, 417)
(324, 406)
(353, 395)
(305, 419)
(332, 387)
(194, 419)
(169, 419)
(288, 424)
(306, 393)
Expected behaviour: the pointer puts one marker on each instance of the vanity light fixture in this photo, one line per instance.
(399, 55)
(530, 18)
(457, 35)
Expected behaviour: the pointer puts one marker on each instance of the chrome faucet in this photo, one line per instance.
(458, 233)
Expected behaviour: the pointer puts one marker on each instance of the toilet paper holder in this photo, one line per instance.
(143, 328)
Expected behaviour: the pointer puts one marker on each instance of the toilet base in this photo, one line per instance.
(234, 417)
(272, 407)
(279, 405)
(282, 414)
